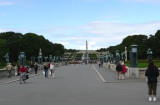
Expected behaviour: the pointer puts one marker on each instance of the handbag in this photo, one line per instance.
(15, 73)
(44, 72)
(27, 77)
(146, 79)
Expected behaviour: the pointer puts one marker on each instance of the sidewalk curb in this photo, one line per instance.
(18, 79)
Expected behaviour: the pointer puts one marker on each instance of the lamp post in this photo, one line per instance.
(134, 56)
(22, 58)
(123, 56)
(149, 53)
(125, 53)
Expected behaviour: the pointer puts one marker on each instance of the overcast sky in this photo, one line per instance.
(102, 23)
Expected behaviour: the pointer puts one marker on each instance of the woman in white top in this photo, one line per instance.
(52, 68)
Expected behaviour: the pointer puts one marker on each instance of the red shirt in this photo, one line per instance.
(23, 69)
(124, 70)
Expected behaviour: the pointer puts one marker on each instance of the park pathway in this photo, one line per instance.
(75, 85)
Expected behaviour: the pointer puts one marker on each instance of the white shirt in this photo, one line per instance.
(52, 66)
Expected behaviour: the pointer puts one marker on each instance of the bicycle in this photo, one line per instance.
(23, 77)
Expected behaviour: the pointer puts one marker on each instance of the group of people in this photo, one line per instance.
(121, 70)
(100, 63)
(151, 73)
(19, 67)
(51, 67)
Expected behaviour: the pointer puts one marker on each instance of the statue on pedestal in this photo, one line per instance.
(7, 58)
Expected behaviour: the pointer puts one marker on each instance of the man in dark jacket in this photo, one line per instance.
(118, 69)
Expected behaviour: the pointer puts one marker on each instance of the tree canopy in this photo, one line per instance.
(144, 42)
(30, 43)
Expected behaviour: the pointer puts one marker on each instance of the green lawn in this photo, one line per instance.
(92, 56)
(143, 63)
(1, 67)
(79, 55)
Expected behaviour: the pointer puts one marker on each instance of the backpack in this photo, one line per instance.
(118, 68)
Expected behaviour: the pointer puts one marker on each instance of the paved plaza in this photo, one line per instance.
(76, 85)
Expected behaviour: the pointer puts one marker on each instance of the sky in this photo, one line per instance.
(102, 23)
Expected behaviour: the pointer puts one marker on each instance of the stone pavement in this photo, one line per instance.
(16, 78)
(111, 76)
(76, 85)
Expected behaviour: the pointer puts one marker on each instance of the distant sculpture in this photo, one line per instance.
(50, 58)
(22, 58)
(7, 58)
(54, 58)
(39, 60)
(117, 56)
(19, 59)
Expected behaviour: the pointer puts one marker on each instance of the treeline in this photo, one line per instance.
(144, 43)
(71, 50)
(102, 50)
(30, 43)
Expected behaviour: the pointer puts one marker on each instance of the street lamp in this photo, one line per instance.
(22, 58)
(134, 56)
(123, 56)
(149, 53)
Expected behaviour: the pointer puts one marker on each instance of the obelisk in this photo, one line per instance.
(86, 47)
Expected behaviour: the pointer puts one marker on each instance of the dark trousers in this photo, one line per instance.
(152, 88)
(46, 73)
(9, 73)
(35, 71)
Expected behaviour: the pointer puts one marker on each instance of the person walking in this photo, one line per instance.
(36, 67)
(118, 69)
(99, 63)
(124, 70)
(102, 64)
(9, 68)
(16, 67)
(31, 67)
(108, 65)
(52, 68)
(152, 73)
(23, 71)
(46, 70)
(18, 70)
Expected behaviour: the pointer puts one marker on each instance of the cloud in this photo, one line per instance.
(14, 30)
(4, 14)
(93, 0)
(3, 30)
(143, 1)
(112, 33)
(99, 34)
(6, 3)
